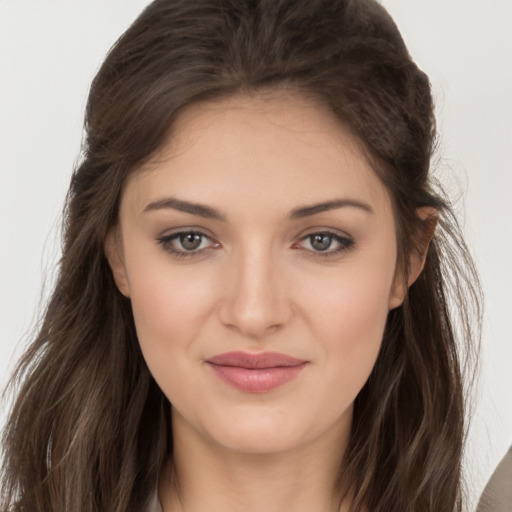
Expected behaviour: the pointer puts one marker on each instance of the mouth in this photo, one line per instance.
(256, 373)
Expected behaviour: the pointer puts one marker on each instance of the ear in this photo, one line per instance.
(114, 253)
(428, 216)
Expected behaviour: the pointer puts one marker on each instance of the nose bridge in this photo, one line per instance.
(257, 300)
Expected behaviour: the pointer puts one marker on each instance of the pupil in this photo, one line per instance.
(190, 241)
(321, 242)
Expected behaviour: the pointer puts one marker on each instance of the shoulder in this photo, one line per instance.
(497, 495)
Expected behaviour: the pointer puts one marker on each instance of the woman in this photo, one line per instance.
(252, 310)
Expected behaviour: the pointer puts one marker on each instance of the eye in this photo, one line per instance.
(190, 241)
(325, 243)
(321, 241)
(186, 243)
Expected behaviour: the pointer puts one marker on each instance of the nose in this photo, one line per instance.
(256, 301)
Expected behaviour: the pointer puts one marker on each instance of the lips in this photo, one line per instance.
(256, 373)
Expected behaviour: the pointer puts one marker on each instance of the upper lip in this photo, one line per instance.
(255, 361)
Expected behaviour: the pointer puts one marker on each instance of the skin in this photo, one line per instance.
(258, 283)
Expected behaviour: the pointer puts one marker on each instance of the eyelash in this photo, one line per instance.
(345, 244)
(166, 242)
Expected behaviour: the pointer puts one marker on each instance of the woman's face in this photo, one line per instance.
(258, 250)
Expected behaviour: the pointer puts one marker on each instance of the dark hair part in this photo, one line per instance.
(89, 429)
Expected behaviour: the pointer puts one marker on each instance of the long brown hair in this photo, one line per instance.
(89, 429)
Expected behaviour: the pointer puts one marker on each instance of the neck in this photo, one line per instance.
(208, 477)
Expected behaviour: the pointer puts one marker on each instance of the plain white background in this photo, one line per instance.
(51, 49)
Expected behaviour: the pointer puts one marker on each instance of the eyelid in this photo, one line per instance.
(345, 241)
(169, 232)
(313, 230)
(167, 239)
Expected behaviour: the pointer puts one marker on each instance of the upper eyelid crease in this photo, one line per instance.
(208, 212)
(177, 234)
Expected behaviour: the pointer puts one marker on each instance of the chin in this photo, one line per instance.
(258, 442)
(262, 432)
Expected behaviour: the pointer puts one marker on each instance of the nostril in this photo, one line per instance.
(256, 318)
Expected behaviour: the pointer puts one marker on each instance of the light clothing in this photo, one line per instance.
(155, 504)
(497, 495)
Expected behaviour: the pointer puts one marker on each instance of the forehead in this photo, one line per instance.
(246, 149)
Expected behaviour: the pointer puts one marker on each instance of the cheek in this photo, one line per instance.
(169, 307)
(169, 312)
(351, 316)
(357, 310)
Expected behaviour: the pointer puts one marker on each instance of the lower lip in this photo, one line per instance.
(258, 380)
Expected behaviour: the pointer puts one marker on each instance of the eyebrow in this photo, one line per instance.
(186, 206)
(208, 212)
(306, 211)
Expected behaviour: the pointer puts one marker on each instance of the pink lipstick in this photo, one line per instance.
(256, 373)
